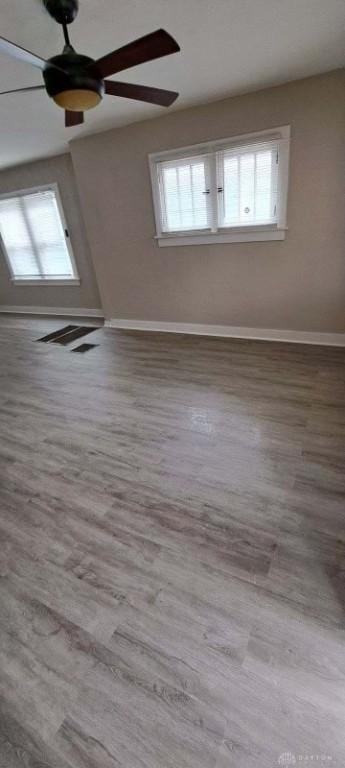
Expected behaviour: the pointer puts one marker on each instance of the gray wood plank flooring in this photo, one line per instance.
(172, 552)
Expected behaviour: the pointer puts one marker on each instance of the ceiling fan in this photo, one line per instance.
(77, 83)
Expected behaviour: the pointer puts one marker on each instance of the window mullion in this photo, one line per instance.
(213, 198)
(220, 185)
(31, 236)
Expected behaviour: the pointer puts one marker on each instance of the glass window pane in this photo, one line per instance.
(34, 237)
(249, 187)
(183, 195)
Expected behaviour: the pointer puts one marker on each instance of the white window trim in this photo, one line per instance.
(245, 234)
(46, 281)
(74, 280)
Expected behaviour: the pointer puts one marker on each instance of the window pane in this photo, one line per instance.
(247, 187)
(263, 184)
(231, 188)
(183, 188)
(23, 263)
(34, 237)
(16, 238)
(249, 193)
(45, 223)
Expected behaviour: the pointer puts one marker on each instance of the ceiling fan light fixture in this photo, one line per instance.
(77, 99)
(77, 83)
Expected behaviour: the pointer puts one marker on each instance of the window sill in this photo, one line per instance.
(251, 236)
(46, 281)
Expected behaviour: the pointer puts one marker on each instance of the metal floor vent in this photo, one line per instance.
(84, 348)
(78, 333)
(56, 334)
(67, 334)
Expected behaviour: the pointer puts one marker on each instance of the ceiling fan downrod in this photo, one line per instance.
(63, 11)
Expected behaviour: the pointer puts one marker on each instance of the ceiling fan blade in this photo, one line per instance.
(22, 90)
(140, 93)
(147, 48)
(73, 118)
(21, 54)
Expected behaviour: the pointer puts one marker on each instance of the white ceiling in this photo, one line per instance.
(227, 47)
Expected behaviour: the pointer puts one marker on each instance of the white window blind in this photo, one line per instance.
(33, 235)
(221, 188)
(248, 185)
(183, 193)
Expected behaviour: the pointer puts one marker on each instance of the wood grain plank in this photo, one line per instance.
(172, 551)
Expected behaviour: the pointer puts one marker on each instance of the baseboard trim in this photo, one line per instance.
(228, 331)
(61, 311)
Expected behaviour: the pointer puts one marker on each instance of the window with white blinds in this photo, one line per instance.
(224, 191)
(183, 198)
(34, 236)
(248, 185)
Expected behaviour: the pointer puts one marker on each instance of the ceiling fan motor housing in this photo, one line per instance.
(63, 11)
(76, 74)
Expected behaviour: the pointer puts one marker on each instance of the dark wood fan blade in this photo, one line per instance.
(73, 118)
(21, 54)
(140, 93)
(22, 90)
(147, 48)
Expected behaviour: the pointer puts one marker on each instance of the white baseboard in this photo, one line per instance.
(234, 332)
(61, 311)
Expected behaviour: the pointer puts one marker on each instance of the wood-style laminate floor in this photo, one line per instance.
(172, 562)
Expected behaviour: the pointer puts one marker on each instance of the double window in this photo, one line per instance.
(34, 237)
(224, 191)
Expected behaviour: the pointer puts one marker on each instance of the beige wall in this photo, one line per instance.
(295, 284)
(54, 169)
